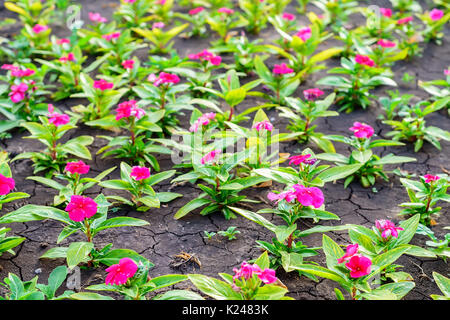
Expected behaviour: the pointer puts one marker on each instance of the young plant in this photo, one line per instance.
(161, 40)
(138, 181)
(76, 184)
(101, 95)
(302, 114)
(336, 12)
(230, 233)
(224, 188)
(131, 279)
(440, 248)
(197, 19)
(141, 124)
(371, 165)
(355, 272)
(83, 215)
(410, 36)
(353, 92)
(7, 183)
(133, 14)
(434, 22)
(209, 235)
(439, 88)
(49, 131)
(31, 290)
(250, 282)
(394, 104)
(223, 21)
(424, 195)
(256, 13)
(412, 126)
(282, 81)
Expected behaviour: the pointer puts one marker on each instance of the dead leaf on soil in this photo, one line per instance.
(185, 258)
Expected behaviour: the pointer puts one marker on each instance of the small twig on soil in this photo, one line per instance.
(423, 274)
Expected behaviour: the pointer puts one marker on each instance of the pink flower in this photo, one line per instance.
(127, 109)
(263, 125)
(304, 33)
(196, 10)
(299, 159)
(161, 2)
(351, 250)
(152, 77)
(69, 57)
(386, 43)
(211, 157)
(206, 55)
(18, 71)
(359, 266)
(267, 276)
(404, 20)
(62, 41)
(140, 173)
(204, 120)
(364, 60)
(96, 17)
(386, 12)
(17, 93)
(118, 274)
(447, 72)
(387, 228)
(6, 185)
(56, 118)
(225, 10)
(245, 271)
(289, 196)
(103, 85)
(128, 64)
(288, 16)
(129, 1)
(77, 167)
(165, 78)
(436, 14)
(81, 208)
(110, 36)
(38, 28)
(362, 130)
(312, 94)
(430, 177)
(158, 25)
(282, 69)
(309, 196)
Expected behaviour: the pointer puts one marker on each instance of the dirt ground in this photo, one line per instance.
(166, 237)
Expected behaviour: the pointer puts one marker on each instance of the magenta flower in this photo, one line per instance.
(139, 173)
(304, 33)
(103, 85)
(364, 60)
(158, 25)
(245, 271)
(312, 94)
(127, 109)
(297, 160)
(55, 118)
(288, 16)
(128, 64)
(289, 196)
(225, 10)
(6, 185)
(110, 36)
(80, 208)
(62, 41)
(386, 12)
(17, 93)
(96, 17)
(362, 130)
(309, 196)
(436, 14)
(204, 120)
(447, 72)
(196, 10)
(267, 276)
(38, 28)
(78, 167)
(359, 266)
(70, 57)
(18, 71)
(263, 125)
(206, 55)
(282, 69)
(165, 78)
(430, 177)
(387, 228)
(211, 157)
(351, 250)
(129, 1)
(119, 274)
(386, 43)
(404, 20)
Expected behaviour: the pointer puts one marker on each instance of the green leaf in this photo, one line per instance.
(443, 283)
(214, 288)
(391, 159)
(179, 295)
(288, 260)
(270, 292)
(319, 271)
(78, 252)
(114, 256)
(255, 218)
(263, 261)
(381, 261)
(191, 205)
(32, 212)
(119, 222)
(339, 172)
(89, 296)
(55, 253)
(332, 251)
(164, 281)
(410, 226)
